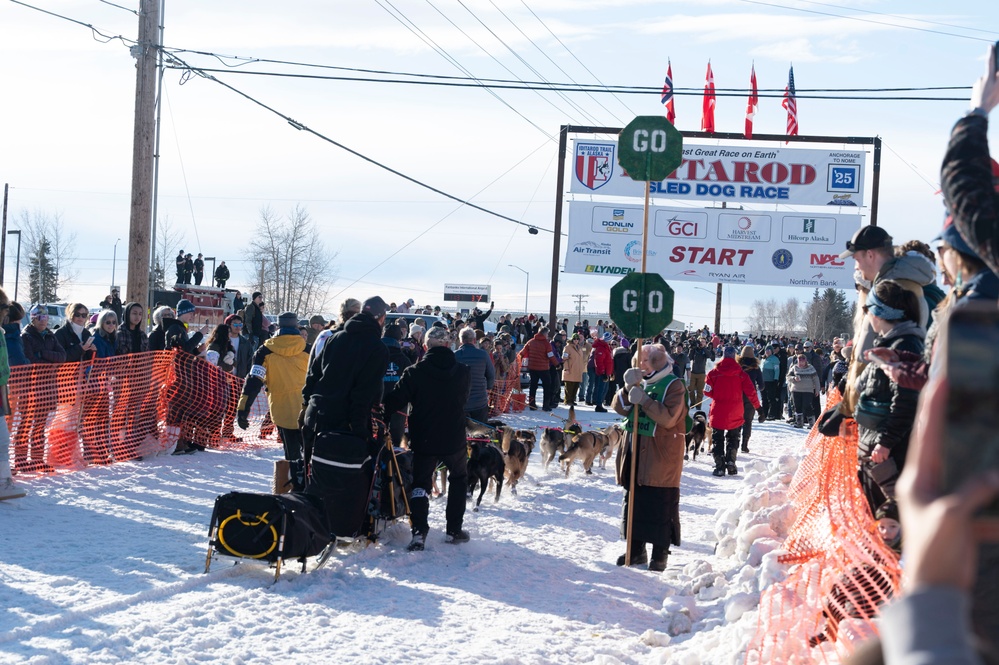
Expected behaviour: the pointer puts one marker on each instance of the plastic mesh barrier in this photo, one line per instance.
(841, 572)
(500, 394)
(117, 409)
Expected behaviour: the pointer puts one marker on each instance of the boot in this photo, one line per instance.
(732, 469)
(745, 445)
(811, 421)
(599, 409)
(418, 542)
(719, 466)
(659, 557)
(639, 556)
(799, 421)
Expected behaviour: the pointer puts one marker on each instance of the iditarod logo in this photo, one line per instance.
(590, 248)
(594, 164)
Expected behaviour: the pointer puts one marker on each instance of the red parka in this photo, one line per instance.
(725, 385)
(539, 353)
(603, 358)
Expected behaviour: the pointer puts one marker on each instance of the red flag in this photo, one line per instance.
(667, 98)
(708, 111)
(754, 101)
(791, 104)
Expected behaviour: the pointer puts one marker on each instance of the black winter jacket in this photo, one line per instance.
(70, 343)
(699, 356)
(176, 336)
(966, 179)
(877, 392)
(344, 382)
(437, 387)
(42, 347)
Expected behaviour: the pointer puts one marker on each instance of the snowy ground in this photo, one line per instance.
(106, 566)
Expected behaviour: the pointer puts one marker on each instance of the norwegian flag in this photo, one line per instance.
(668, 94)
(708, 110)
(754, 102)
(791, 104)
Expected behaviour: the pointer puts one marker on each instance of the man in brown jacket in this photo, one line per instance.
(662, 426)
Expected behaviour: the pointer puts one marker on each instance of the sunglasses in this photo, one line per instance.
(113, 322)
(236, 325)
(80, 315)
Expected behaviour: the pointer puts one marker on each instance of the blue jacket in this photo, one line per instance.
(15, 348)
(483, 375)
(103, 346)
(771, 369)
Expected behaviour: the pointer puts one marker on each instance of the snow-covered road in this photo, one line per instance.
(105, 566)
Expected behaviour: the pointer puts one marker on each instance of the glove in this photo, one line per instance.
(229, 357)
(301, 419)
(762, 415)
(637, 396)
(830, 421)
(632, 377)
(241, 419)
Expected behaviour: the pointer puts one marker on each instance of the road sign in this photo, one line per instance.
(641, 304)
(649, 148)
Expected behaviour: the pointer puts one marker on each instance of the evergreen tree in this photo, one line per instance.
(43, 275)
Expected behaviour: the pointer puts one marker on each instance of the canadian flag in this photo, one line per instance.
(754, 102)
(708, 111)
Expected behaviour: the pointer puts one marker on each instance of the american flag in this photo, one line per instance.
(754, 101)
(668, 94)
(791, 104)
(708, 110)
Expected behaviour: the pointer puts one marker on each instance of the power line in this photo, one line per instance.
(570, 88)
(299, 126)
(904, 18)
(399, 16)
(95, 32)
(130, 11)
(865, 20)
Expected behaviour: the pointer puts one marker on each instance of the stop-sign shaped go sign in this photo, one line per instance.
(649, 148)
(641, 304)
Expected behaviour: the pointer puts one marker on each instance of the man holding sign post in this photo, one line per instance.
(651, 461)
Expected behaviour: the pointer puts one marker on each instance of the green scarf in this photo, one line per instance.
(657, 391)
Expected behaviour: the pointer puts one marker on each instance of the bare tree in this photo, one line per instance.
(789, 318)
(764, 317)
(38, 230)
(169, 240)
(296, 270)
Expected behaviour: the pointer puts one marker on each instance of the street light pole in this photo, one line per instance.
(114, 261)
(527, 288)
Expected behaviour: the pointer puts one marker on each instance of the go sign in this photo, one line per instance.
(649, 148)
(641, 304)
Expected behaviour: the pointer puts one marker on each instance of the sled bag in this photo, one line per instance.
(269, 526)
(340, 475)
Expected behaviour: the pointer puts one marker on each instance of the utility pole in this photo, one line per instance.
(579, 304)
(143, 142)
(3, 233)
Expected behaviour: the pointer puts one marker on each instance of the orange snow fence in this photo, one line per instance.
(117, 409)
(506, 388)
(841, 572)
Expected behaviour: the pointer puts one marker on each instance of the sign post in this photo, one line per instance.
(649, 148)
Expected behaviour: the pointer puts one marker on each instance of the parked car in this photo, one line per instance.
(56, 312)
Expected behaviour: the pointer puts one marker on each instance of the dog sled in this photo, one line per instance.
(352, 494)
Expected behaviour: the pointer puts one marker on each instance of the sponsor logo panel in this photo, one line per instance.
(618, 221)
(808, 230)
(782, 259)
(670, 224)
(594, 164)
(744, 227)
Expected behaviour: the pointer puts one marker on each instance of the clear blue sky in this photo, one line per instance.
(67, 122)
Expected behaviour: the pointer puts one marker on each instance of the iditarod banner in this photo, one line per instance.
(713, 244)
(732, 173)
